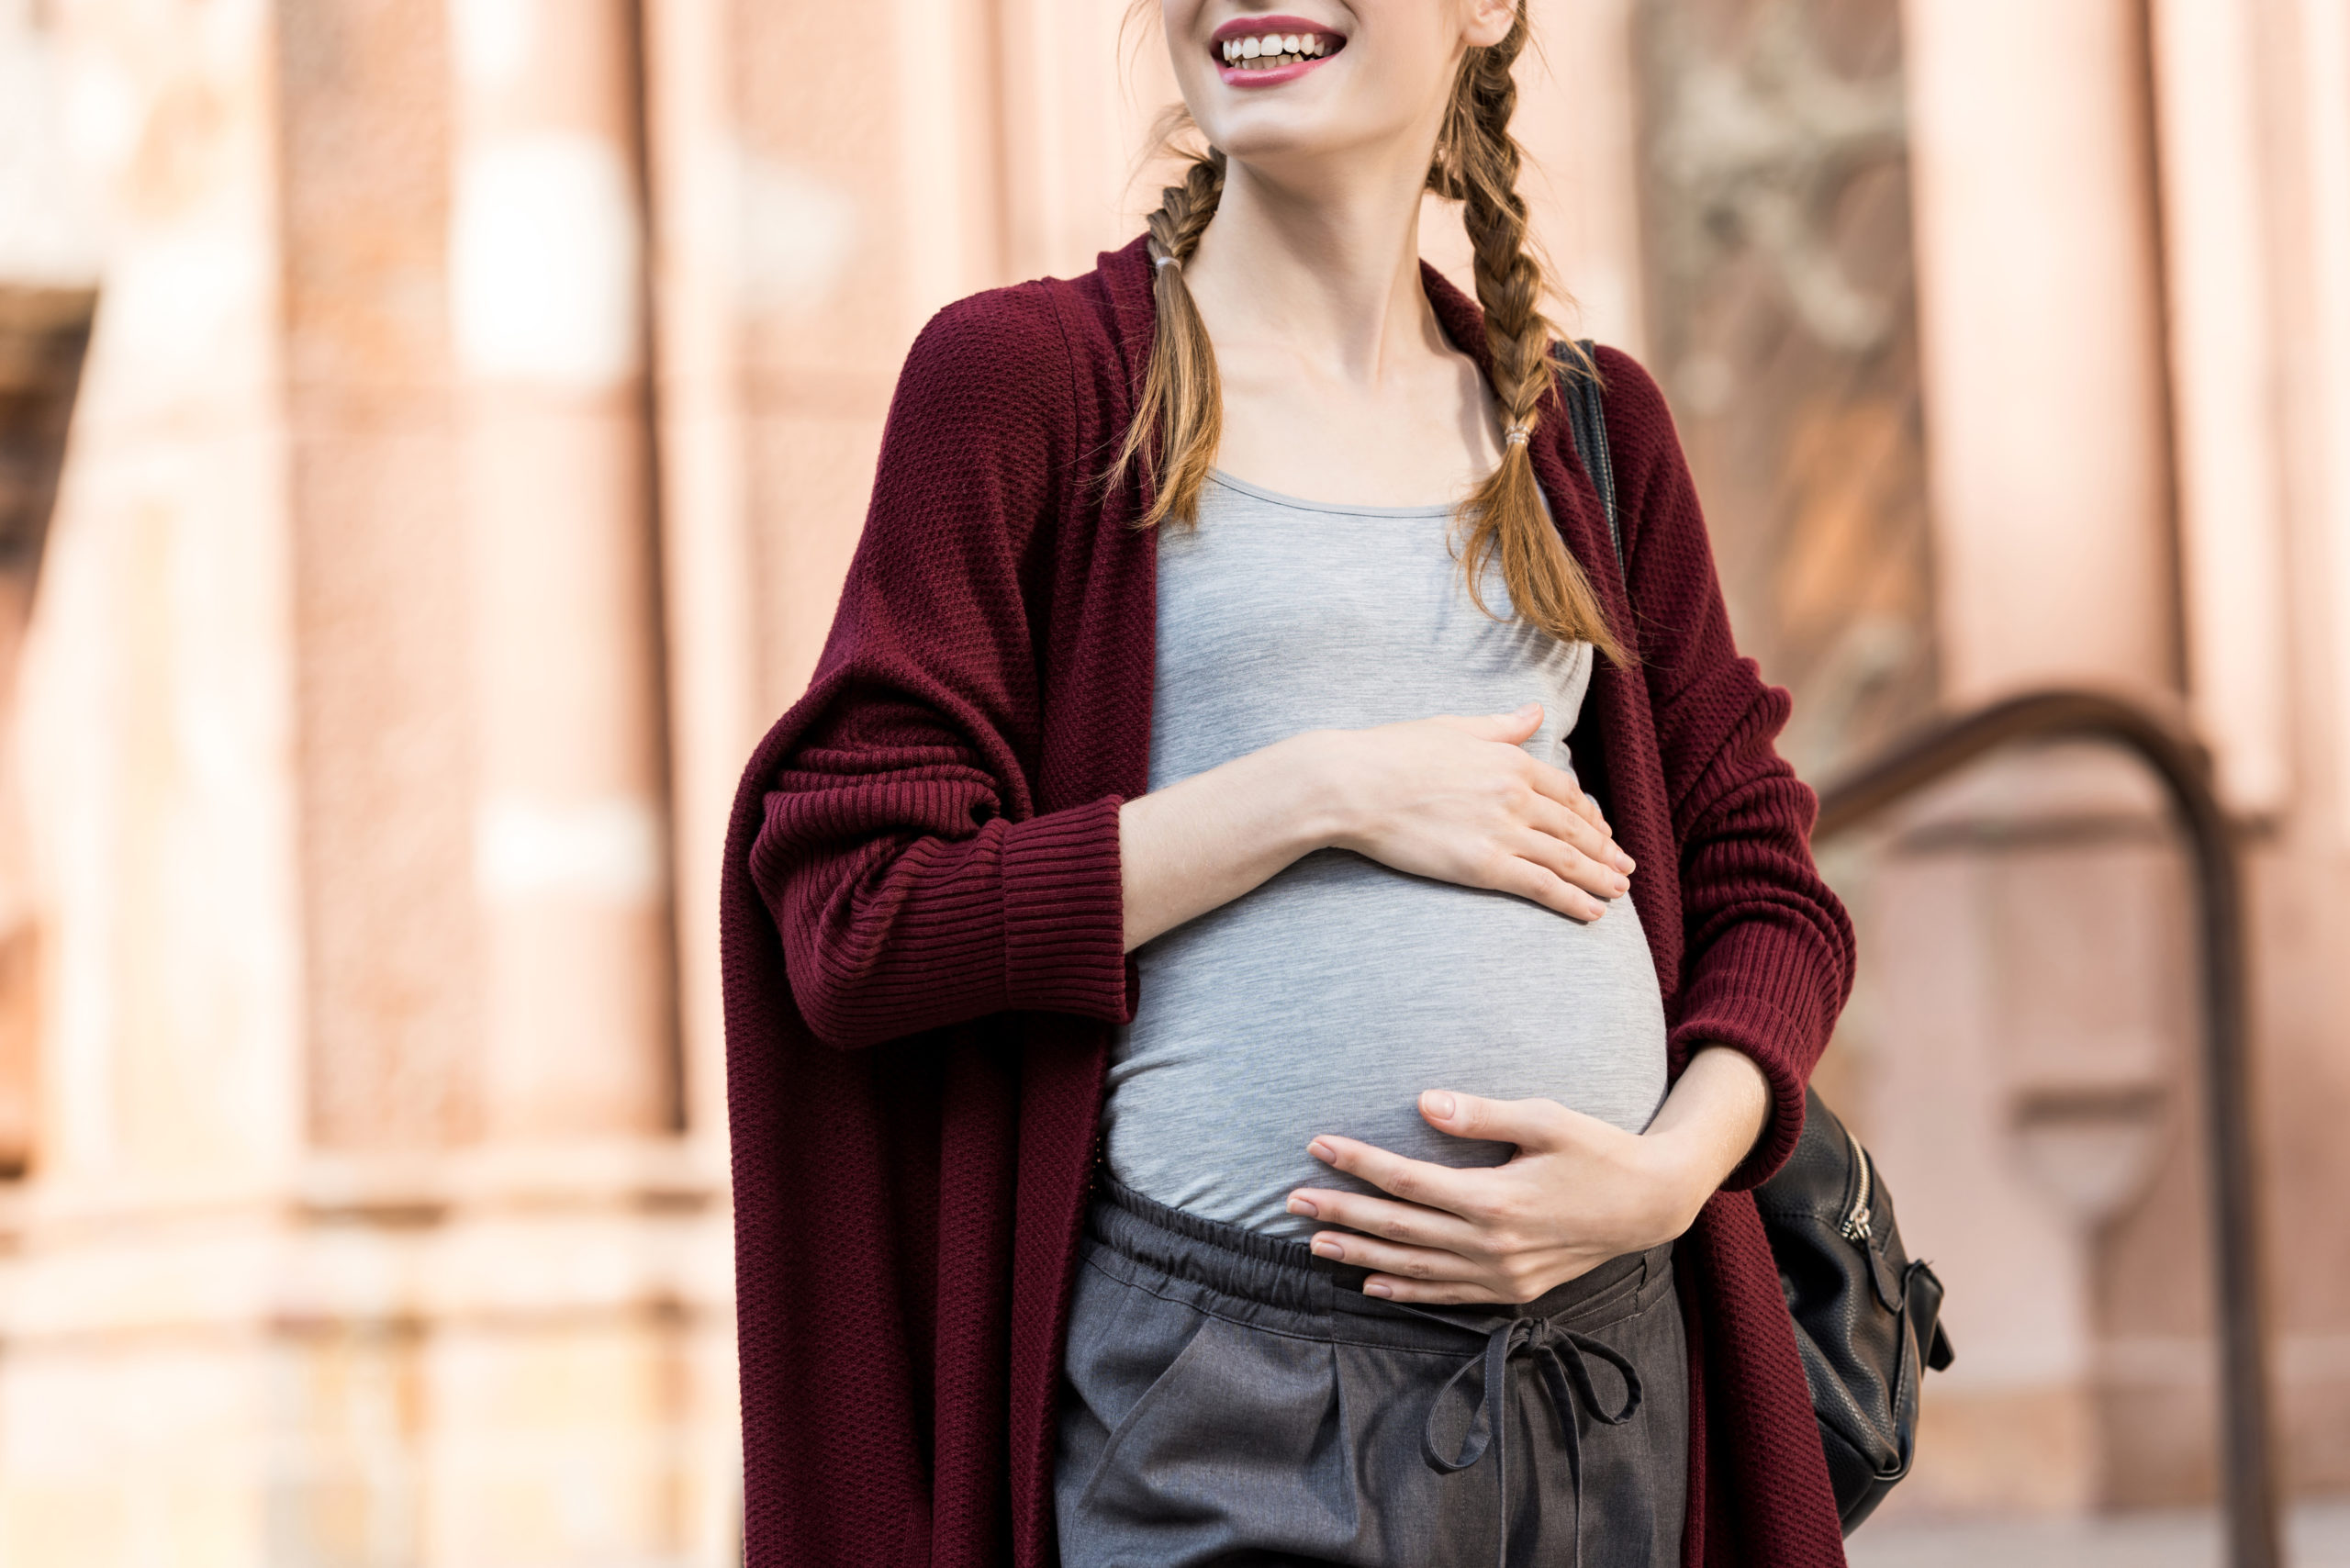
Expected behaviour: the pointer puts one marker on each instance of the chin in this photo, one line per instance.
(1287, 84)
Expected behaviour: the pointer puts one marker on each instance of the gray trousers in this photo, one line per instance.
(1232, 1399)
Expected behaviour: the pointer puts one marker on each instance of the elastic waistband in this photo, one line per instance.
(1275, 1273)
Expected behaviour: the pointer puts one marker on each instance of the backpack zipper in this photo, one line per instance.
(1856, 1223)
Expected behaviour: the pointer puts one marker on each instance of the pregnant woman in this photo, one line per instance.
(1264, 964)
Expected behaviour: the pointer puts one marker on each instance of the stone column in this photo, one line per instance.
(570, 834)
(2040, 314)
(157, 729)
(383, 682)
(1076, 111)
(2321, 388)
(2025, 933)
(1579, 123)
(715, 717)
(2218, 252)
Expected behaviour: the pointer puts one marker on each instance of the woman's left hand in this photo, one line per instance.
(1579, 1191)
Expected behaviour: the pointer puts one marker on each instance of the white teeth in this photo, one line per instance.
(1274, 50)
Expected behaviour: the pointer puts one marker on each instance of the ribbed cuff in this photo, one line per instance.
(1755, 993)
(1064, 914)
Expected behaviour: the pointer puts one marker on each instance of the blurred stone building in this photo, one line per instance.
(472, 405)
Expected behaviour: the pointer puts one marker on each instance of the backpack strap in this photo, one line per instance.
(1588, 422)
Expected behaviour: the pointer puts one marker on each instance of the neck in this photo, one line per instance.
(1320, 264)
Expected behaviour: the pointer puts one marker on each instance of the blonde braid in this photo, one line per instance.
(1502, 520)
(1179, 418)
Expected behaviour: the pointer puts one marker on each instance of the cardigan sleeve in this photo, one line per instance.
(909, 880)
(1768, 948)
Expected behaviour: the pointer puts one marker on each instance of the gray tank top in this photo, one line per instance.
(1327, 998)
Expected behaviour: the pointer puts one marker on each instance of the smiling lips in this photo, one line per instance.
(1265, 52)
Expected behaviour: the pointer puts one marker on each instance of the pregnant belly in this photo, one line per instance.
(1329, 998)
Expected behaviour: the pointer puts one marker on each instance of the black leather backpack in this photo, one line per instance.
(1867, 1318)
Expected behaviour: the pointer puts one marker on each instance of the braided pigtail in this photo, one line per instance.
(1178, 419)
(1502, 522)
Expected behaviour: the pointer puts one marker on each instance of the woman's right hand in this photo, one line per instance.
(1460, 800)
(1457, 800)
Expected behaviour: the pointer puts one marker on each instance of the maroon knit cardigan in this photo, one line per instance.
(923, 966)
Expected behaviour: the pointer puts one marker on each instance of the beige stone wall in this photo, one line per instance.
(2118, 226)
(2124, 287)
(479, 414)
(359, 1228)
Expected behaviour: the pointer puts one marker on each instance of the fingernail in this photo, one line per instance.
(1298, 1205)
(1379, 1288)
(1323, 1152)
(1623, 863)
(1439, 1105)
(1328, 1246)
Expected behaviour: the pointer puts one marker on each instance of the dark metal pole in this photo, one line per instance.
(2247, 1454)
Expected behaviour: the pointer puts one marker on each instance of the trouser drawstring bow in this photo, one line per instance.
(1558, 1357)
